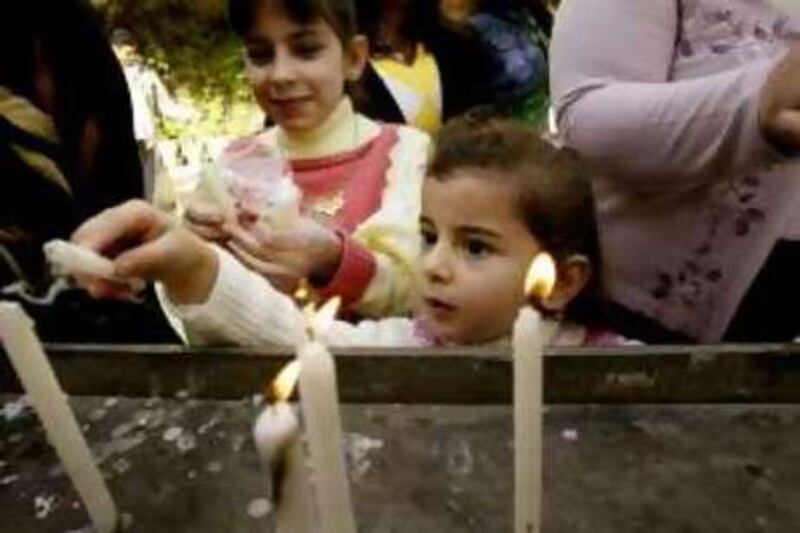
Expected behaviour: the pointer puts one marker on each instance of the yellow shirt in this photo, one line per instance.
(416, 88)
(342, 131)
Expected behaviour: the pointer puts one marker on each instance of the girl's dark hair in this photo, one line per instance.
(553, 188)
(340, 14)
(421, 22)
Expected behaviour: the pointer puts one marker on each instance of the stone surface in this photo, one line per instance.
(426, 468)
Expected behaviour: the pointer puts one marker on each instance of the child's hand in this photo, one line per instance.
(146, 244)
(779, 112)
(207, 221)
(307, 250)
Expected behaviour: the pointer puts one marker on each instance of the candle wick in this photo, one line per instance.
(271, 395)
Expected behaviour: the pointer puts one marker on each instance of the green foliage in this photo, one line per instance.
(191, 46)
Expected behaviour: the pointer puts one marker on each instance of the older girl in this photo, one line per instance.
(360, 179)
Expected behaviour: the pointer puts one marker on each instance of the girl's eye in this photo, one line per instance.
(476, 248)
(259, 56)
(428, 238)
(308, 50)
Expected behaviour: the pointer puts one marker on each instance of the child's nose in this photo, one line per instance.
(282, 67)
(437, 264)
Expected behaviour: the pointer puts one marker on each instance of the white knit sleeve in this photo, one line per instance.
(244, 309)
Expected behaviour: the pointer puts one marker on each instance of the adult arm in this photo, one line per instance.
(615, 102)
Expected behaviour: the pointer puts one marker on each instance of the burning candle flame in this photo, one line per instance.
(285, 382)
(319, 320)
(303, 292)
(324, 318)
(541, 278)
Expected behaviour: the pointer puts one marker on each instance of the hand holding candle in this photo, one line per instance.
(71, 261)
(531, 333)
(146, 244)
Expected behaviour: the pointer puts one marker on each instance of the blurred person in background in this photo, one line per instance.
(516, 36)
(67, 152)
(692, 110)
(423, 69)
(150, 100)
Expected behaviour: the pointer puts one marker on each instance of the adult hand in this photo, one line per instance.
(307, 250)
(144, 243)
(779, 111)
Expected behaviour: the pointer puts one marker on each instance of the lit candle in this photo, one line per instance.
(530, 335)
(50, 402)
(314, 494)
(320, 402)
(279, 444)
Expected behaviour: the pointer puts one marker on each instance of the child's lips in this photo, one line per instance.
(289, 104)
(439, 307)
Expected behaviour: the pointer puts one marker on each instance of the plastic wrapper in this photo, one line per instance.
(253, 184)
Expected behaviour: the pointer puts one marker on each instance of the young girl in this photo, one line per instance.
(360, 180)
(495, 196)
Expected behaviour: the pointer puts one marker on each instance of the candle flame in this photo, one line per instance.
(303, 292)
(324, 318)
(319, 320)
(285, 382)
(541, 278)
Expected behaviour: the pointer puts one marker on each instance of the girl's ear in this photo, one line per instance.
(573, 276)
(355, 57)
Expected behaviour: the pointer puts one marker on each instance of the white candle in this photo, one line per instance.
(70, 260)
(530, 335)
(323, 478)
(279, 444)
(50, 403)
(323, 425)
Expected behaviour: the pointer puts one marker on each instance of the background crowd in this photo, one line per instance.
(686, 114)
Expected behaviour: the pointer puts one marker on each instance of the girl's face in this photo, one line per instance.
(298, 71)
(476, 252)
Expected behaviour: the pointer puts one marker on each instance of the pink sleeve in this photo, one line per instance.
(355, 272)
(610, 68)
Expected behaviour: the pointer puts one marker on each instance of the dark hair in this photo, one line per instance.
(89, 88)
(89, 100)
(554, 190)
(538, 9)
(340, 14)
(421, 21)
(122, 37)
